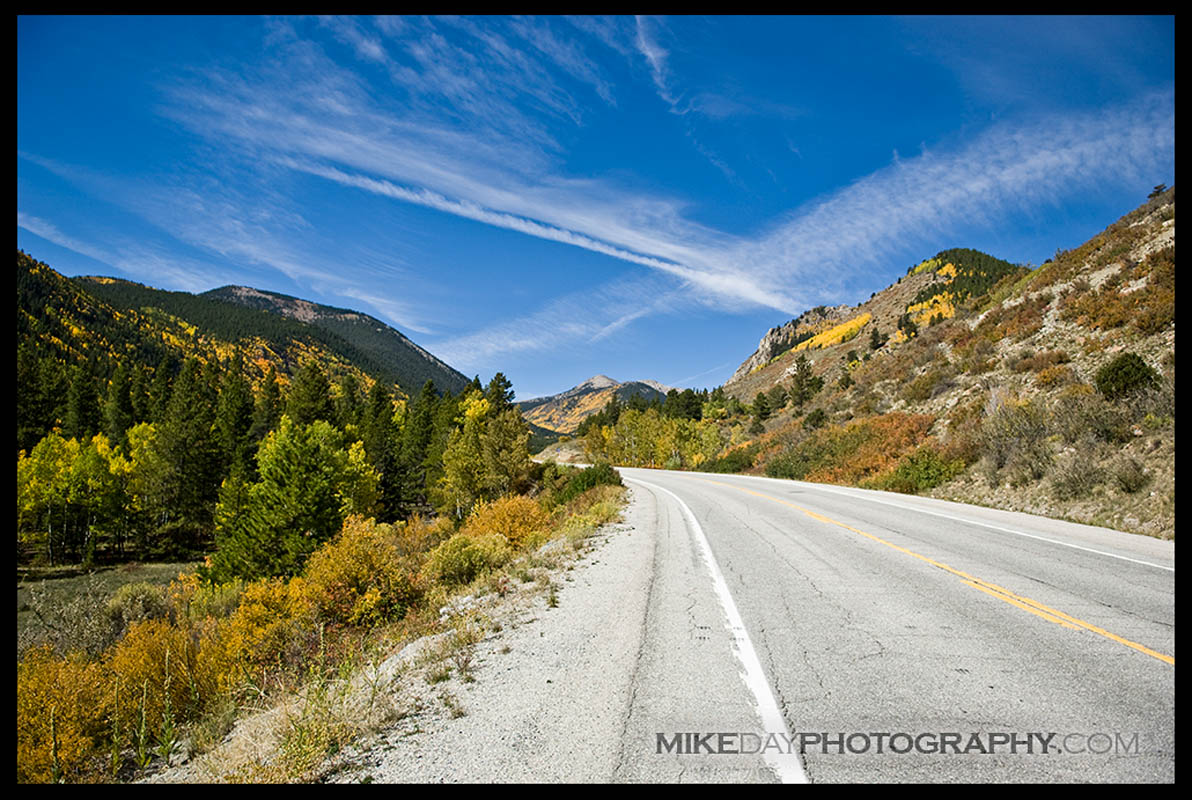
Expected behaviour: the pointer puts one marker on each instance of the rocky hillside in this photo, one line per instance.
(564, 412)
(1049, 390)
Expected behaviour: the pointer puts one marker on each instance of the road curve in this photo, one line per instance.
(1023, 648)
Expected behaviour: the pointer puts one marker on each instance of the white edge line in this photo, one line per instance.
(975, 522)
(786, 765)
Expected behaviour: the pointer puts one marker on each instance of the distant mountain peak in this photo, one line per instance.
(598, 382)
(563, 412)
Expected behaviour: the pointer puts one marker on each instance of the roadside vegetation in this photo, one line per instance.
(153, 673)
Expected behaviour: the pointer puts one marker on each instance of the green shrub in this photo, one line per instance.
(134, 602)
(462, 558)
(816, 419)
(923, 469)
(737, 460)
(600, 474)
(1125, 375)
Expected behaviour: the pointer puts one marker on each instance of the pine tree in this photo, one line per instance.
(118, 411)
(160, 390)
(267, 411)
(233, 422)
(761, 407)
(499, 393)
(309, 481)
(382, 444)
(309, 398)
(83, 417)
(191, 455)
(415, 442)
(348, 407)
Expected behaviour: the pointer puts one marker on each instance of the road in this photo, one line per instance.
(873, 613)
(733, 622)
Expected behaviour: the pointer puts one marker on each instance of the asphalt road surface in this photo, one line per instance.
(747, 629)
(873, 613)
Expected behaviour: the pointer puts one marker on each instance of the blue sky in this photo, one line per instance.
(559, 197)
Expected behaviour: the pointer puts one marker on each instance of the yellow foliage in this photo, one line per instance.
(476, 406)
(268, 623)
(60, 714)
(360, 577)
(156, 660)
(516, 518)
(941, 304)
(931, 263)
(948, 270)
(835, 335)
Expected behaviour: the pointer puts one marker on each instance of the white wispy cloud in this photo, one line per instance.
(1008, 169)
(816, 254)
(136, 261)
(563, 323)
(474, 132)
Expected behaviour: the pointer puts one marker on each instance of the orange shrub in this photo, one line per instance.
(420, 534)
(516, 518)
(1054, 376)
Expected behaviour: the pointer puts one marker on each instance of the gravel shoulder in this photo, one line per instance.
(550, 689)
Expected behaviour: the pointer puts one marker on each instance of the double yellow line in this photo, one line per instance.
(991, 589)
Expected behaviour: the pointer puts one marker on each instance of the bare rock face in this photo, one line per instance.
(780, 339)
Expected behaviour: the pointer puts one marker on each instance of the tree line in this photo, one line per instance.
(172, 461)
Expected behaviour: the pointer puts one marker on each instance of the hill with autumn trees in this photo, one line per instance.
(1046, 389)
(146, 419)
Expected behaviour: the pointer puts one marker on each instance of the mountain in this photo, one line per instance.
(97, 323)
(1046, 389)
(232, 312)
(371, 341)
(563, 412)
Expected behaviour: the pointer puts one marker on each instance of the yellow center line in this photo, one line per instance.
(991, 589)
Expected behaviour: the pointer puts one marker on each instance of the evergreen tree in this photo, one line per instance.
(310, 479)
(761, 407)
(499, 393)
(382, 445)
(309, 398)
(777, 397)
(349, 410)
(159, 391)
(804, 383)
(138, 395)
(118, 411)
(267, 411)
(41, 391)
(83, 418)
(415, 442)
(190, 453)
(233, 421)
(504, 448)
